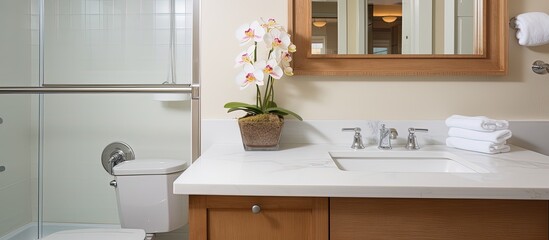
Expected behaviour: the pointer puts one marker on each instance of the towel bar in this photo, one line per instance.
(540, 67)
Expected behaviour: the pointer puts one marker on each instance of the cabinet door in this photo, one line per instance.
(279, 218)
(440, 219)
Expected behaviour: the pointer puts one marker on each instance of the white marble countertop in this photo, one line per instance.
(308, 170)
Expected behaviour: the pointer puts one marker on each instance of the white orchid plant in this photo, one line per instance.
(263, 72)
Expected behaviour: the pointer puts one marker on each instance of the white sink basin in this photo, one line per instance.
(403, 162)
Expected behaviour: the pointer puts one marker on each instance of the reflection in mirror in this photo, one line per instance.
(397, 27)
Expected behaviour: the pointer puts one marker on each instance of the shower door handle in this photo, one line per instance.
(2, 168)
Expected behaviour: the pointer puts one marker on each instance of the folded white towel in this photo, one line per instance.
(532, 28)
(477, 146)
(476, 123)
(499, 136)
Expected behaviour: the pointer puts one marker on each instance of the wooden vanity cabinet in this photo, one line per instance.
(437, 219)
(276, 218)
(296, 218)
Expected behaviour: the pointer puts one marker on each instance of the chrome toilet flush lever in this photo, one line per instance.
(412, 143)
(357, 140)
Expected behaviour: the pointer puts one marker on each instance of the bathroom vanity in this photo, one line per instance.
(312, 192)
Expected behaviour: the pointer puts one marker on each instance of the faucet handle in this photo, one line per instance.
(412, 139)
(357, 139)
(355, 129)
(413, 130)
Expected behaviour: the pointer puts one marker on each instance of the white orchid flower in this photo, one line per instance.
(249, 75)
(292, 48)
(286, 58)
(245, 57)
(261, 68)
(270, 67)
(277, 40)
(271, 23)
(289, 71)
(249, 32)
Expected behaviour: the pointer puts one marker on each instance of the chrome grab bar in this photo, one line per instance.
(99, 88)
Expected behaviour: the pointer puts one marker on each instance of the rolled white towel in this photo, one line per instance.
(532, 28)
(477, 146)
(499, 136)
(479, 123)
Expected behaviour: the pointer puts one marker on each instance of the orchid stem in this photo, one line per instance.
(266, 93)
(258, 97)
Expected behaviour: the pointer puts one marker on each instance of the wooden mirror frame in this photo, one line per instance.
(492, 61)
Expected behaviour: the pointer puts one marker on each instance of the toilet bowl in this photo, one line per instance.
(146, 203)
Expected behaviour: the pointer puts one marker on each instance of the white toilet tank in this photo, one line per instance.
(145, 194)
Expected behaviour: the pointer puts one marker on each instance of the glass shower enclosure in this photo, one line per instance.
(75, 76)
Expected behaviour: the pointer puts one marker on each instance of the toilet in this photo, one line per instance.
(146, 203)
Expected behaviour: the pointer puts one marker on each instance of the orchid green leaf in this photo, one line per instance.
(238, 104)
(271, 104)
(248, 110)
(278, 110)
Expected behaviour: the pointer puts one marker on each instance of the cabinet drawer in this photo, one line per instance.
(394, 219)
(288, 218)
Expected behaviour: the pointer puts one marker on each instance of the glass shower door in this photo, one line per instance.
(77, 127)
(18, 167)
(82, 74)
(18, 120)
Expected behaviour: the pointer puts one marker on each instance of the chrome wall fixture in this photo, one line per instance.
(540, 67)
(130, 88)
(513, 23)
(115, 153)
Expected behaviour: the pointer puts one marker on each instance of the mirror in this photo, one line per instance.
(396, 26)
(460, 44)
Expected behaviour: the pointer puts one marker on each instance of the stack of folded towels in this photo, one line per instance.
(479, 134)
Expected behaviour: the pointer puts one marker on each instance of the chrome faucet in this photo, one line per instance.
(357, 140)
(385, 136)
(412, 143)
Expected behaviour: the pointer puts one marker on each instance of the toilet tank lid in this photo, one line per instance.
(150, 167)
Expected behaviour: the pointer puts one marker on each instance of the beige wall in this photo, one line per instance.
(521, 95)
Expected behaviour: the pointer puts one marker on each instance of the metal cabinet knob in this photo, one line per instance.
(113, 183)
(256, 209)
